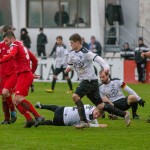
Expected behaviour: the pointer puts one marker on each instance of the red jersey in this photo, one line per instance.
(20, 56)
(6, 68)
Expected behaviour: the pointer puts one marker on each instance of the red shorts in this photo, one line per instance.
(8, 82)
(24, 82)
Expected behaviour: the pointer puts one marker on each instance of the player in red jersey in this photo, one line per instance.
(8, 80)
(21, 61)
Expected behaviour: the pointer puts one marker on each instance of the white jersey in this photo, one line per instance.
(71, 116)
(61, 56)
(112, 90)
(82, 62)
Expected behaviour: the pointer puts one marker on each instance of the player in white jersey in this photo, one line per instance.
(82, 61)
(111, 92)
(61, 64)
(68, 116)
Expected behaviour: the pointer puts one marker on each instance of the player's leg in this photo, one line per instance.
(58, 117)
(5, 108)
(47, 122)
(68, 81)
(32, 88)
(56, 72)
(23, 83)
(7, 91)
(96, 99)
(132, 101)
(29, 120)
(83, 89)
(48, 107)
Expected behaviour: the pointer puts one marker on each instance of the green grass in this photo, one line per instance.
(115, 137)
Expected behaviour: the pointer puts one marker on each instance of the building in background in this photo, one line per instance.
(112, 22)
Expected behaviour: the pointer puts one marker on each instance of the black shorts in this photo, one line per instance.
(58, 119)
(122, 104)
(59, 70)
(90, 89)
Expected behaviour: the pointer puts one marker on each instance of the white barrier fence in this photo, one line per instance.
(46, 67)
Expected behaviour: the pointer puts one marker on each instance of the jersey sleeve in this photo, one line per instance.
(12, 54)
(101, 93)
(34, 61)
(91, 56)
(94, 123)
(70, 62)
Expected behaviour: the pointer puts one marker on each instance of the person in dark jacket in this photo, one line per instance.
(41, 42)
(127, 53)
(84, 44)
(95, 46)
(25, 38)
(61, 17)
(140, 61)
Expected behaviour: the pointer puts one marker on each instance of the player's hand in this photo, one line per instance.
(141, 102)
(103, 125)
(36, 76)
(143, 55)
(106, 71)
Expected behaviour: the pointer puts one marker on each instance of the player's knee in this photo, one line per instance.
(75, 97)
(17, 99)
(54, 77)
(67, 78)
(131, 99)
(5, 92)
(101, 106)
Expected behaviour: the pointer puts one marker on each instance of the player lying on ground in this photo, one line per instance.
(68, 116)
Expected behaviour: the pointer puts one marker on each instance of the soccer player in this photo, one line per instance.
(8, 81)
(21, 61)
(68, 116)
(61, 64)
(82, 61)
(146, 55)
(111, 92)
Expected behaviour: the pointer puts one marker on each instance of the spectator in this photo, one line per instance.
(77, 20)
(95, 46)
(61, 17)
(127, 52)
(25, 38)
(41, 42)
(84, 44)
(140, 61)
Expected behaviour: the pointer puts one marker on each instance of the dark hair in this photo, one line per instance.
(75, 37)
(59, 37)
(126, 43)
(140, 39)
(9, 34)
(6, 28)
(41, 28)
(25, 30)
(107, 74)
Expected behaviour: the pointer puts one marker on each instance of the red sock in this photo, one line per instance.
(6, 110)
(26, 104)
(10, 103)
(24, 112)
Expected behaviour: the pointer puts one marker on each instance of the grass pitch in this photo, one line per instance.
(115, 137)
